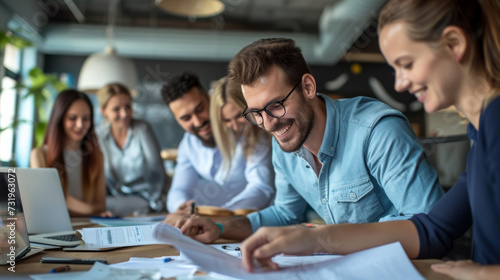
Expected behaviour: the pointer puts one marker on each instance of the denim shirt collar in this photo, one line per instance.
(331, 130)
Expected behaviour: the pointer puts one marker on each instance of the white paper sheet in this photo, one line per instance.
(127, 221)
(103, 237)
(176, 267)
(384, 262)
(97, 272)
(101, 271)
(282, 260)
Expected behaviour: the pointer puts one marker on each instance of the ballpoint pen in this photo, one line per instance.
(60, 269)
(192, 208)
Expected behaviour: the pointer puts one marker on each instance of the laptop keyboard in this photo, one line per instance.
(64, 237)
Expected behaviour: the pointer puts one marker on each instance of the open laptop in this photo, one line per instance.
(44, 205)
(14, 241)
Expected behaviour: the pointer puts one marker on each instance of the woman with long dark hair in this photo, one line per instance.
(70, 145)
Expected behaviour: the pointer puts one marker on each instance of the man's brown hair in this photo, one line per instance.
(257, 59)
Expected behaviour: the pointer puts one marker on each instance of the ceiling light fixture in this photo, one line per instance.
(100, 69)
(192, 8)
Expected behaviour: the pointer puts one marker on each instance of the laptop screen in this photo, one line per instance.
(14, 242)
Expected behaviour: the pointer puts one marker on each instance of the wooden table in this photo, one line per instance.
(32, 265)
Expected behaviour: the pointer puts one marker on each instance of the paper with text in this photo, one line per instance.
(384, 262)
(102, 237)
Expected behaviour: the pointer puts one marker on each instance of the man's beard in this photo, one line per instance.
(304, 122)
(210, 143)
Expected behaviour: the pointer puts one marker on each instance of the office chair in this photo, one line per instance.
(448, 156)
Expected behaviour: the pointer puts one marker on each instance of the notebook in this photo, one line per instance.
(47, 217)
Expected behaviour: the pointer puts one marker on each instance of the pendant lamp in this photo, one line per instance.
(107, 67)
(192, 8)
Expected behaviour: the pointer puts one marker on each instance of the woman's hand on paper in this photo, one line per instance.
(267, 242)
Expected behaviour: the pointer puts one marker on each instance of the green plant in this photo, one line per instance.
(7, 37)
(41, 86)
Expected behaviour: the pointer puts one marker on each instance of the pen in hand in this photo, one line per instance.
(60, 269)
(192, 208)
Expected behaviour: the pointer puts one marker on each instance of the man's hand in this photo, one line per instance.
(270, 241)
(106, 214)
(199, 228)
(175, 218)
(185, 208)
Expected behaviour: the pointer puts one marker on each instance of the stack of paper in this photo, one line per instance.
(384, 262)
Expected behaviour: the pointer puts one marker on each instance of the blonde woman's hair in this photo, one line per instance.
(479, 19)
(105, 93)
(224, 91)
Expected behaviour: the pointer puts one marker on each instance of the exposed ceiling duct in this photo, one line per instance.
(340, 25)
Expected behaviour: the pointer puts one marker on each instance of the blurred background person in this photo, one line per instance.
(199, 176)
(239, 140)
(70, 145)
(135, 176)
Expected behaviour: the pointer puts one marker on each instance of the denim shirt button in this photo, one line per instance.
(331, 149)
(352, 195)
(323, 200)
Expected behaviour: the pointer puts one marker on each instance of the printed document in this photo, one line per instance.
(383, 262)
(103, 237)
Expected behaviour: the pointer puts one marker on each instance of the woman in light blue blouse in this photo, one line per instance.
(135, 176)
(237, 138)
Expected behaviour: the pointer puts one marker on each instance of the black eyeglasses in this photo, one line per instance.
(274, 109)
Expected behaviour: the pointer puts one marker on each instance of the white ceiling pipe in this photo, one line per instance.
(210, 45)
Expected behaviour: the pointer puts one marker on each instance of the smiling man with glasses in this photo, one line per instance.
(353, 160)
(274, 109)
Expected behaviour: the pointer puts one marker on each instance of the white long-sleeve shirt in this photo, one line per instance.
(199, 175)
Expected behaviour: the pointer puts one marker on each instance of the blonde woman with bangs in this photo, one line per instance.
(229, 125)
(238, 140)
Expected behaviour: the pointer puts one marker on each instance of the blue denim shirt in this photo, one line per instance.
(373, 169)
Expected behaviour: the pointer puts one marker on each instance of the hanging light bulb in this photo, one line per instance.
(192, 8)
(107, 67)
(100, 69)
